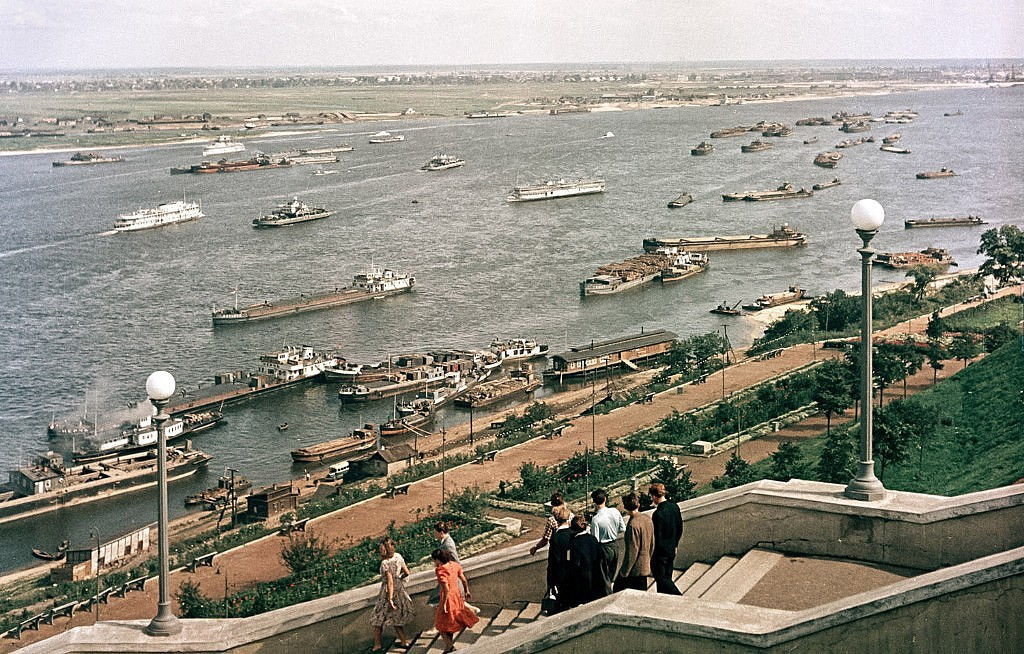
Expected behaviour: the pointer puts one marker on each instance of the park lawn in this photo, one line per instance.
(1002, 310)
(977, 444)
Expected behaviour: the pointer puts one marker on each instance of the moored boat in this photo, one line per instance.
(935, 174)
(519, 381)
(375, 283)
(556, 189)
(725, 310)
(683, 265)
(947, 221)
(291, 213)
(517, 349)
(731, 131)
(360, 441)
(410, 418)
(822, 185)
(892, 138)
(230, 484)
(57, 555)
(792, 294)
(681, 201)
(164, 214)
(132, 438)
(851, 127)
(894, 149)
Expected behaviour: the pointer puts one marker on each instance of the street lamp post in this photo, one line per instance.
(160, 388)
(94, 532)
(867, 216)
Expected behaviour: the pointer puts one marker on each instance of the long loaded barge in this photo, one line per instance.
(946, 221)
(376, 283)
(46, 485)
(783, 236)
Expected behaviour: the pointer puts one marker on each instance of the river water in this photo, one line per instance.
(88, 315)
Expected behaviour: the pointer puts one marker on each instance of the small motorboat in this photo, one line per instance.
(61, 552)
(725, 310)
(282, 427)
(608, 135)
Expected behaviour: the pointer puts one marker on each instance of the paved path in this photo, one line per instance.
(261, 561)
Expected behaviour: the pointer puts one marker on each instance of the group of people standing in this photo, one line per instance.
(583, 561)
(394, 607)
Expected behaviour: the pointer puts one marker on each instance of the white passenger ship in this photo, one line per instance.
(164, 214)
(556, 189)
(223, 145)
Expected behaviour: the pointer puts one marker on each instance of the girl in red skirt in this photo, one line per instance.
(451, 615)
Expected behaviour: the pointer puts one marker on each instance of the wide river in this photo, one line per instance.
(87, 315)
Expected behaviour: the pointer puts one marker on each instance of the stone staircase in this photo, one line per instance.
(727, 580)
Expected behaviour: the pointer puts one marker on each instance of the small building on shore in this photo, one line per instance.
(388, 460)
(87, 562)
(271, 501)
(625, 351)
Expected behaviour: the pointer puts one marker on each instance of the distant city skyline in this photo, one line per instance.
(57, 34)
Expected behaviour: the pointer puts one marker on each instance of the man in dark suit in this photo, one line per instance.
(668, 529)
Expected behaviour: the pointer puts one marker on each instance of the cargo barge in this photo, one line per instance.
(949, 221)
(792, 294)
(932, 257)
(374, 284)
(361, 440)
(86, 159)
(520, 381)
(783, 236)
(45, 484)
(260, 162)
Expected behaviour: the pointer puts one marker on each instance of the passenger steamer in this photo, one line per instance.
(291, 213)
(164, 214)
(556, 189)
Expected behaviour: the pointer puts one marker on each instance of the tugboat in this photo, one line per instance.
(681, 201)
(703, 148)
(935, 174)
(227, 485)
(291, 213)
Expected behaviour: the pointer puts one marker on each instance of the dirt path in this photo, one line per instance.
(261, 561)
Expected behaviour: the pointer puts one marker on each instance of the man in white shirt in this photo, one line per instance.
(605, 526)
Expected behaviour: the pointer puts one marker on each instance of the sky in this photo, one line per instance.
(75, 34)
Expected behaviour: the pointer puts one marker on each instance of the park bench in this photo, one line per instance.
(647, 399)
(489, 456)
(139, 583)
(205, 559)
(297, 525)
(557, 431)
(64, 610)
(391, 491)
(28, 623)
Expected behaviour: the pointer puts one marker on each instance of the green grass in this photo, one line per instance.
(978, 443)
(1002, 310)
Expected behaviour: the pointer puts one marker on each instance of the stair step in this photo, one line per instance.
(530, 613)
(420, 644)
(691, 575)
(500, 622)
(473, 634)
(740, 578)
(708, 579)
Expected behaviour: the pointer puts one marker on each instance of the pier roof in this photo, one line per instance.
(600, 348)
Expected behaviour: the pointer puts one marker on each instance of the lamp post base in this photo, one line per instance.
(865, 490)
(164, 624)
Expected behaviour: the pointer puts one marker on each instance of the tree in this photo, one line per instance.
(737, 473)
(192, 603)
(301, 554)
(999, 335)
(1004, 248)
(835, 310)
(677, 481)
(898, 427)
(935, 355)
(832, 389)
(913, 360)
(923, 277)
(936, 326)
(964, 348)
(786, 463)
(887, 367)
(837, 463)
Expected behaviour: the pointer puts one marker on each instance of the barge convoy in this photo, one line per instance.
(376, 283)
(782, 236)
(667, 264)
(556, 189)
(259, 162)
(946, 221)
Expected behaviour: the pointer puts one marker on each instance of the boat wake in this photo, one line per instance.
(46, 246)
